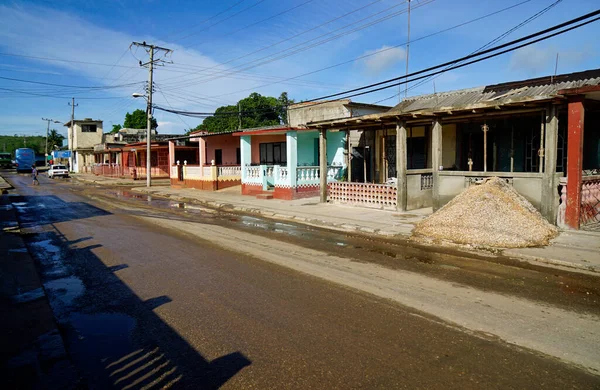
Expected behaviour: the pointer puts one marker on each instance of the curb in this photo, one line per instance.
(555, 263)
(351, 228)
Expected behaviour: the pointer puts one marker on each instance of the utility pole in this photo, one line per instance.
(407, 51)
(47, 130)
(72, 128)
(150, 49)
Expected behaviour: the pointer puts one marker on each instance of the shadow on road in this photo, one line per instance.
(113, 336)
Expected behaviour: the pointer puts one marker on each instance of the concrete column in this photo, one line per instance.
(574, 160)
(401, 164)
(171, 153)
(291, 151)
(436, 161)
(201, 154)
(245, 154)
(549, 184)
(323, 165)
(348, 157)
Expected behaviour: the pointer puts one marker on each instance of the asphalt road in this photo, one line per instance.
(150, 295)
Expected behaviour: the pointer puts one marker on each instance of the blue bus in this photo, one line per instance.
(25, 158)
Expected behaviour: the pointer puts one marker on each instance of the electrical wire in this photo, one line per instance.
(382, 50)
(530, 36)
(298, 47)
(497, 39)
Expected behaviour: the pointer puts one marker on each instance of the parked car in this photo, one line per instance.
(58, 170)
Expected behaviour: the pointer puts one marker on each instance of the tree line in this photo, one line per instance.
(10, 143)
(253, 111)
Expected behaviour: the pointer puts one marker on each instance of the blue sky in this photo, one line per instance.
(223, 51)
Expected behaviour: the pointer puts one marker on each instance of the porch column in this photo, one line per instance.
(348, 157)
(401, 187)
(201, 154)
(171, 154)
(436, 160)
(323, 165)
(245, 154)
(549, 185)
(574, 160)
(291, 152)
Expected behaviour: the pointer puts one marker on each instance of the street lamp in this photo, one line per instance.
(47, 130)
(148, 130)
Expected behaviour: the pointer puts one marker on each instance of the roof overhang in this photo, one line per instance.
(276, 131)
(391, 118)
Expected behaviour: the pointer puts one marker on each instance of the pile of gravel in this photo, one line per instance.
(491, 214)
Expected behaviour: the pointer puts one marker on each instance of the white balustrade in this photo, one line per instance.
(229, 171)
(206, 171)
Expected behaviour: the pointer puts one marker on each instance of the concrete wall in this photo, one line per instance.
(527, 184)
(307, 151)
(227, 143)
(86, 140)
(304, 113)
(416, 197)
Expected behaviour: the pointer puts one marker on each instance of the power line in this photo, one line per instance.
(221, 21)
(382, 50)
(497, 39)
(556, 27)
(296, 35)
(205, 20)
(298, 47)
(70, 86)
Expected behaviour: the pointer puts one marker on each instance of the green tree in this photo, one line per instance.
(116, 129)
(254, 111)
(54, 138)
(138, 120)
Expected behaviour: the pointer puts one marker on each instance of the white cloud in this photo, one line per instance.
(43, 32)
(536, 59)
(532, 59)
(385, 58)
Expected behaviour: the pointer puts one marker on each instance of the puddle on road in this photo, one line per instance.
(66, 290)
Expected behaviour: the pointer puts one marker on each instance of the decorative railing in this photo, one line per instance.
(312, 174)
(284, 173)
(269, 171)
(174, 171)
(308, 174)
(229, 171)
(426, 181)
(590, 200)
(206, 171)
(252, 174)
(589, 213)
(113, 170)
(380, 196)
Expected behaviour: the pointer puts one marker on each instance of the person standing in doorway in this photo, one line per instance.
(34, 175)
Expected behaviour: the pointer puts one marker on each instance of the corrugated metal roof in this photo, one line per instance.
(542, 88)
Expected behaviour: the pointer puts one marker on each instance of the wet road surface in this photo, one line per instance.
(142, 305)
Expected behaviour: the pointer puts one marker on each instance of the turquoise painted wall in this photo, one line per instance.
(308, 148)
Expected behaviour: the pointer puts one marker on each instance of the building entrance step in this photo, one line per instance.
(264, 196)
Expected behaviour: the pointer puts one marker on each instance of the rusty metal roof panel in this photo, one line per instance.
(521, 91)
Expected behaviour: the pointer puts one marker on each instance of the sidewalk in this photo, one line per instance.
(32, 354)
(572, 249)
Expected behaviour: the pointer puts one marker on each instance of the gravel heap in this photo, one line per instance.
(491, 214)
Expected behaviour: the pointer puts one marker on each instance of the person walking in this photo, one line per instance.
(34, 175)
